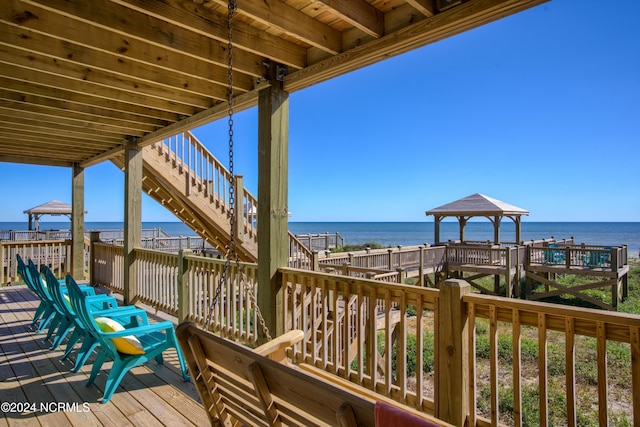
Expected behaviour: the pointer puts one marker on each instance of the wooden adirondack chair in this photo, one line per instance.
(103, 305)
(239, 386)
(153, 340)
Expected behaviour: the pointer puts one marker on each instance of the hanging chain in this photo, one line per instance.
(231, 249)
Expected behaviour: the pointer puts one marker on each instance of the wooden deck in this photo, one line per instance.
(31, 375)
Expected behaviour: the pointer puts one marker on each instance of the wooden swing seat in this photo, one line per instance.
(239, 386)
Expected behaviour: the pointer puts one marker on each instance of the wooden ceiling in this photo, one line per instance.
(79, 78)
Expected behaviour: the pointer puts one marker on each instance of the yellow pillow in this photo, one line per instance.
(67, 300)
(126, 345)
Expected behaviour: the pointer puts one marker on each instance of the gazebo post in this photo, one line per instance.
(463, 223)
(436, 229)
(496, 229)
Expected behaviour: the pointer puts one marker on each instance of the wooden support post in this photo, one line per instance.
(132, 217)
(273, 188)
(183, 285)
(77, 223)
(452, 387)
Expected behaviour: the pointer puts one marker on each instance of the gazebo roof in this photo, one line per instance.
(54, 207)
(477, 205)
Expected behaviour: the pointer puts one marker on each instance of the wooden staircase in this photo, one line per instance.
(183, 176)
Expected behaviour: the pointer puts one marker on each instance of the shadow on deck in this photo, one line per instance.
(38, 388)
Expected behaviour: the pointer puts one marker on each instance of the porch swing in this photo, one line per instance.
(240, 386)
(232, 253)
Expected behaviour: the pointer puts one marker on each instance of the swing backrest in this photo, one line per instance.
(239, 386)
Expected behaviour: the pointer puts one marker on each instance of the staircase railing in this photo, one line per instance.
(205, 174)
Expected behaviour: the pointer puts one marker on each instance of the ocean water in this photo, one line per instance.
(416, 233)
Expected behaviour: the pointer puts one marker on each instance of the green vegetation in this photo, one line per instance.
(428, 352)
(361, 247)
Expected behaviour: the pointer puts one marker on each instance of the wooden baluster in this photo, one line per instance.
(542, 370)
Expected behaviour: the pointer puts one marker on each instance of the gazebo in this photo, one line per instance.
(54, 207)
(477, 205)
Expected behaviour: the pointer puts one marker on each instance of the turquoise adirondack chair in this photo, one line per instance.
(45, 311)
(554, 255)
(103, 305)
(149, 342)
(56, 319)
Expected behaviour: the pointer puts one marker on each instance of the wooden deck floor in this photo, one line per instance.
(33, 375)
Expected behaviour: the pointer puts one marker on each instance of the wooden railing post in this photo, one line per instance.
(421, 280)
(183, 285)
(315, 262)
(93, 238)
(452, 383)
(2, 264)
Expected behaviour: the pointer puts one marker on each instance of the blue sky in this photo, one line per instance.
(540, 110)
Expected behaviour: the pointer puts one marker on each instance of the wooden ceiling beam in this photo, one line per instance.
(425, 7)
(54, 140)
(56, 129)
(96, 80)
(33, 160)
(36, 83)
(360, 14)
(204, 21)
(292, 22)
(114, 47)
(121, 70)
(14, 114)
(106, 17)
(217, 112)
(54, 108)
(40, 150)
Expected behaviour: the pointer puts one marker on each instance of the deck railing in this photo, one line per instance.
(32, 235)
(187, 286)
(321, 242)
(410, 257)
(580, 256)
(511, 318)
(56, 254)
(359, 329)
(401, 341)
